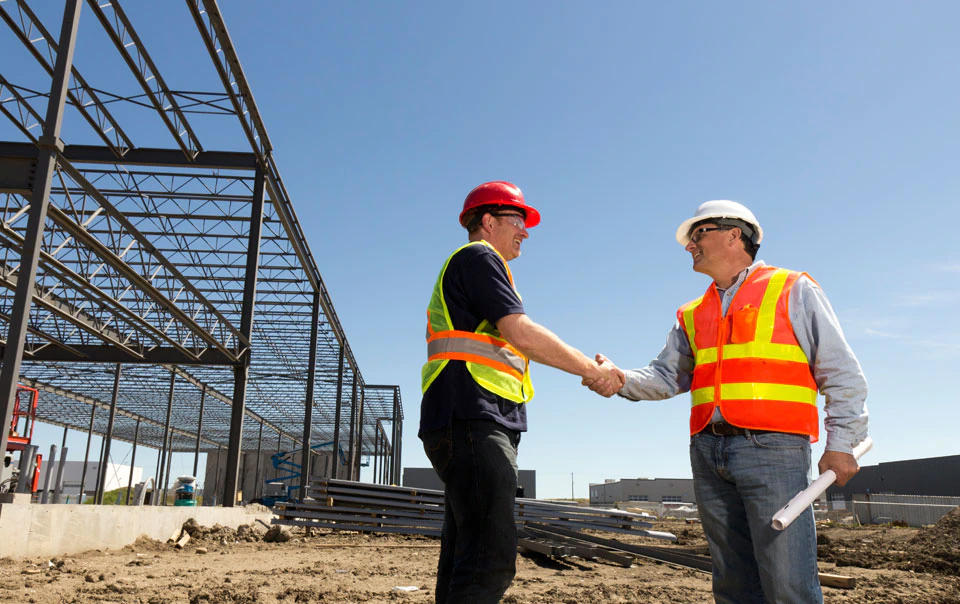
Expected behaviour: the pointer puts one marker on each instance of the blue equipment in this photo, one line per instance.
(277, 489)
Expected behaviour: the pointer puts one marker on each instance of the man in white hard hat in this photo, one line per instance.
(754, 351)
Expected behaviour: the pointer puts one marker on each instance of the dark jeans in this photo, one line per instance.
(477, 461)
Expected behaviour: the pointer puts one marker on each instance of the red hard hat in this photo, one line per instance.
(499, 193)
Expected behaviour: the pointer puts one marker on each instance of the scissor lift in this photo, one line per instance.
(22, 424)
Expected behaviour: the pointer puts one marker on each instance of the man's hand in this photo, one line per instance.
(844, 465)
(608, 380)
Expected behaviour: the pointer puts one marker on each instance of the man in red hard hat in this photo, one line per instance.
(476, 384)
(754, 351)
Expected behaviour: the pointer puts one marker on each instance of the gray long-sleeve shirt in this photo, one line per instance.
(835, 368)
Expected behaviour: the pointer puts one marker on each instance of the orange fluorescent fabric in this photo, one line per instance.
(748, 362)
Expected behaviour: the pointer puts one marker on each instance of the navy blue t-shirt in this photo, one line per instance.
(475, 287)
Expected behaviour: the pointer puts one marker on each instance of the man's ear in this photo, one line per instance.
(487, 221)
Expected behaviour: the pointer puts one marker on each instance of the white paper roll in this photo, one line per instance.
(804, 498)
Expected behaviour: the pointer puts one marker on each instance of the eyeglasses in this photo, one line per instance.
(514, 219)
(698, 234)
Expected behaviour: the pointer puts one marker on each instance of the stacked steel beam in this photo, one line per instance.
(354, 506)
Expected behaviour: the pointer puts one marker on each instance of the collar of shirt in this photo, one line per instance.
(726, 295)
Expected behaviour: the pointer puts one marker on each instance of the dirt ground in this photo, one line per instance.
(220, 566)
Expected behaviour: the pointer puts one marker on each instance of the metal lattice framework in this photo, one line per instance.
(185, 267)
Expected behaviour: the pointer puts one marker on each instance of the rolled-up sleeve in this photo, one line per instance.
(666, 376)
(835, 368)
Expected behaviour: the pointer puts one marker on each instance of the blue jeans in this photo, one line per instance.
(477, 461)
(740, 483)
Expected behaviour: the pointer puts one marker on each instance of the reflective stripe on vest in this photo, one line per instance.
(752, 357)
(493, 363)
(476, 348)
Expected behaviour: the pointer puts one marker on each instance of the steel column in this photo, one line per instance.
(306, 457)
(108, 440)
(400, 450)
(63, 443)
(86, 455)
(241, 373)
(394, 429)
(166, 480)
(336, 421)
(397, 437)
(376, 451)
(49, 145)
(257, 485)
(166, 437)
(100, 470)
(353, 422)
(133, 459)
(360, 431)
(48, 474)
(59, 484)
(196, 448)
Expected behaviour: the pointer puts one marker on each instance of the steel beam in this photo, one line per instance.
(24, 116)
(143, 156)
(50, 141)
(217, 40)
(135, 54)
(82, 95)
(88, 353)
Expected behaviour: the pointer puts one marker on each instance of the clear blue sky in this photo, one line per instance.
(835, 123)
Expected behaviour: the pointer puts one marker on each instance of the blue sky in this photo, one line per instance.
(835, 123)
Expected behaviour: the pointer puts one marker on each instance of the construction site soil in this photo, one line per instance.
(253, 564)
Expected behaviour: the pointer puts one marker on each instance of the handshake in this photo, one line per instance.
(607, 379)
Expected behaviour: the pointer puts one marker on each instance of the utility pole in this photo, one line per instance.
(571, 486)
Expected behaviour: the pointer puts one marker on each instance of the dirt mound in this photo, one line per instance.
(146, 544)
(221, 534)
(937, 548)
(933, 549)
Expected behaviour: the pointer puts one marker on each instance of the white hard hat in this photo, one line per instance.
(718, 208)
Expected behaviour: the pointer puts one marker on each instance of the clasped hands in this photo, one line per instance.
(608, 380)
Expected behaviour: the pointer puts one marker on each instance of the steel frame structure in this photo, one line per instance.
(166, 295)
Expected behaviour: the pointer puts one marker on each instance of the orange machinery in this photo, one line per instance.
(22, 424)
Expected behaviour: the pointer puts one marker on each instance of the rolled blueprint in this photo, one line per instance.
(804, 498)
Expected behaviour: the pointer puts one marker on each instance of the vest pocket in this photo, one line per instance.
(744, 324)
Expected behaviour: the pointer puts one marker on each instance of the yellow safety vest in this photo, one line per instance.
(494, 364)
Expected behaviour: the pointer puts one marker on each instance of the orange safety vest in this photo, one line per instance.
(749, 362)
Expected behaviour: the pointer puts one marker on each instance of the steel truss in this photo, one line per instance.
(172, 284)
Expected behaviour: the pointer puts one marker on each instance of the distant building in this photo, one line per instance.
(931, 476)
(117, 477)
(642, 490)
(426, 478)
